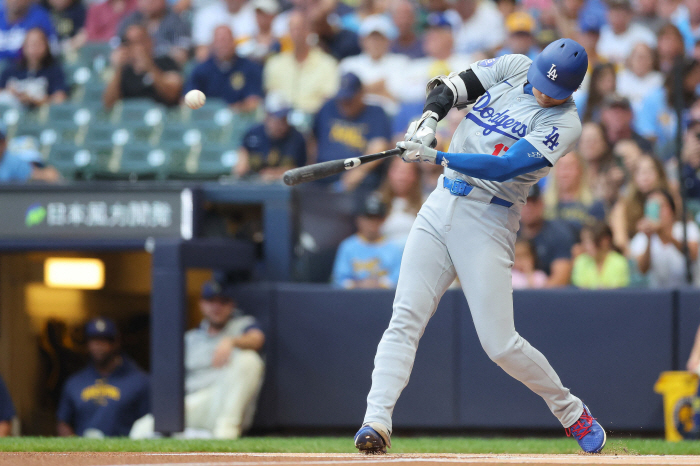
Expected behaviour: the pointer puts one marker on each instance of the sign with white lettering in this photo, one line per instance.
(99, 214)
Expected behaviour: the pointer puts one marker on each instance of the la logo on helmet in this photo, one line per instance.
(552, 73)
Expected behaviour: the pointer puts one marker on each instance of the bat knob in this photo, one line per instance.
(287, 178)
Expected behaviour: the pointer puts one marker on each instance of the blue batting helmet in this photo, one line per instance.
(559, 69)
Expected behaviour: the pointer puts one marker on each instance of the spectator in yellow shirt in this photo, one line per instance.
(599, 266)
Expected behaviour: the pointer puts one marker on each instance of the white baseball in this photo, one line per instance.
(195, 99)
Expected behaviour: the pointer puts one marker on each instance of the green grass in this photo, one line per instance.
(344, 445)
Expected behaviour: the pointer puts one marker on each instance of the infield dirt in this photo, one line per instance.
(322, 459)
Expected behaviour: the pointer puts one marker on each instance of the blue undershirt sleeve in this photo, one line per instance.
(522, 158)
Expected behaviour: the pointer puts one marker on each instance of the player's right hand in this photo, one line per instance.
(422, 131)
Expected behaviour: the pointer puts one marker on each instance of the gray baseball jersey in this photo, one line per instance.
(503, 116)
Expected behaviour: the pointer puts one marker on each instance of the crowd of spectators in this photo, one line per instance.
(331, 79)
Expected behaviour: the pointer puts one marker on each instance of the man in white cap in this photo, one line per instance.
(375, 65)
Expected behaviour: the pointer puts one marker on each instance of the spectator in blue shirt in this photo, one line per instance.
(656, 120)
(108, 395)
(227, 76)
(366, 259)
(7, 410)
(17, 167)
(16, 18)
(37, 78)
(346, 127)
(271, 148)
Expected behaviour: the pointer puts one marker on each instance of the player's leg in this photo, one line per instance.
(426, 272)
(481, 246)
(234, 392)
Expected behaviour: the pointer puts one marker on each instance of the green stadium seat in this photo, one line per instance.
(216, 161)
(211, 109)
(105, 159)
(139, 161)
(71, 160)
(90, 92)
(116, 135)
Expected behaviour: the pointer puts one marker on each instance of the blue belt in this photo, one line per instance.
(459, 187)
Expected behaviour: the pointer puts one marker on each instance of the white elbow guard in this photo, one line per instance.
(455, 84)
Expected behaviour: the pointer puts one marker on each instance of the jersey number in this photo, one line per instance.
(498, 148)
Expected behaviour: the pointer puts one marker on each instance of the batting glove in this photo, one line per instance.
(416, 152)
(423, 130)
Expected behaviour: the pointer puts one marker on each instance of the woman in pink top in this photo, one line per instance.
(103, 18)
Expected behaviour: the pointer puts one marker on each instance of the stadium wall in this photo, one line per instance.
(609, 347)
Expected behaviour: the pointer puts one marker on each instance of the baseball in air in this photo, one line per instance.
(195, 99)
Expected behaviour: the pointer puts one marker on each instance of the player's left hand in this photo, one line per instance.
(416, 152)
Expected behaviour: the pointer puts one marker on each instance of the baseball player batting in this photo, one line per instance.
(522, 122)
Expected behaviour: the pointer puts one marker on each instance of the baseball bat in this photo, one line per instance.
(321, 170)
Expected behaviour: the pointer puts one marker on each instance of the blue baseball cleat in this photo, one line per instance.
(588, 433)
(369, 441)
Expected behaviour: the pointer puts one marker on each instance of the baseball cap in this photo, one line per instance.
(372, 206)
(276, 105)
(520, 22)
(589, 22)
(617, 101)
(378, 23)
(438, 20)
(271, 7)
(350, 85)
(101, 328)
(213, 289)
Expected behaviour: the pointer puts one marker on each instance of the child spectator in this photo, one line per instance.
(648, 176)
(109, 395)
(402, 192)
(524, 273)
(366, 259)
(658, 247)
(7, 410)
(37, 78)
(568, 195)
(271, 148)
(599, 266)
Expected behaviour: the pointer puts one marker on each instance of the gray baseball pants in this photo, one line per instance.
(469, 238)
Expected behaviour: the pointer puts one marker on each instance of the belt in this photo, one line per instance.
(459, 187)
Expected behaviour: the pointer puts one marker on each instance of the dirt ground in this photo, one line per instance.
(265, 459)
